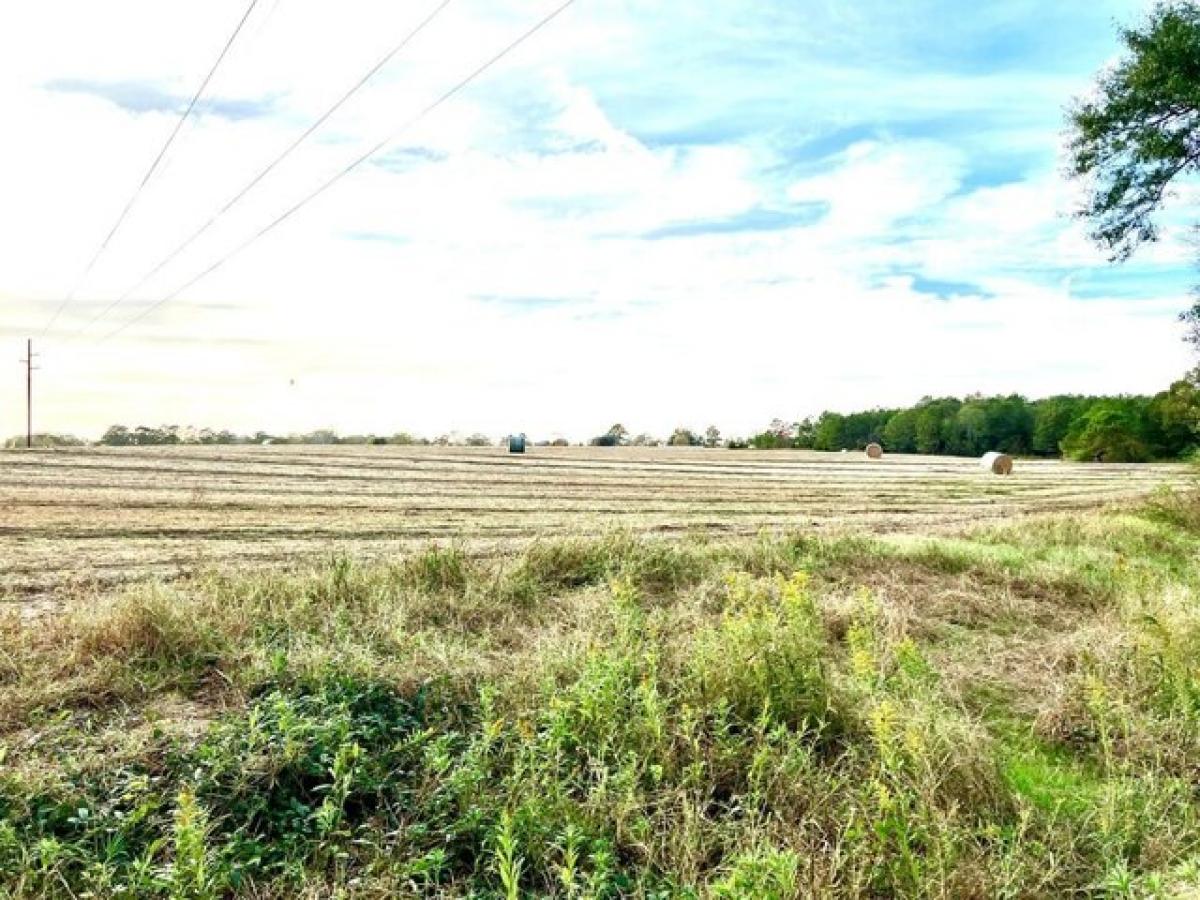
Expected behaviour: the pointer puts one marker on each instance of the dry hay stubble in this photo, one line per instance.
(111, 515)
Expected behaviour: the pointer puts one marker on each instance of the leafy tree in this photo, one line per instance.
(684, 437)
(829, 430)
(934, 418)
(712, 436)
(806, 433)
(1008, 425)
(862, 428)
(614, 437)
(1140, 133)
(1177, 414)
(969, 430)
(1052, 420)
(778, 434)
(116, 436)
(1142, 130)
(900, 432)
(1112, 430)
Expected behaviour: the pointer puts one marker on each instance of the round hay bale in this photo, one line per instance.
(996, 463)
(874, 451)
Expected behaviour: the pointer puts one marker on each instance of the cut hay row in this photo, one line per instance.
(117, 514)
(208, 512)
(248, 477)
(92, 515)
(130, 487)
(712, 465)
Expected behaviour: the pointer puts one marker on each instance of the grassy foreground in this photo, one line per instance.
(1011, 713)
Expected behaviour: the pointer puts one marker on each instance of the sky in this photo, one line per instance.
(656, 212)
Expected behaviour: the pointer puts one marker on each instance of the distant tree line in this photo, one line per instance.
(618, 436)
(1113, 429)
(44, 440)
(142, 436)
(166, 435)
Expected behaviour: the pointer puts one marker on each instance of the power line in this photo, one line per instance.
(346, 171)
(233, 201)
(153, 167)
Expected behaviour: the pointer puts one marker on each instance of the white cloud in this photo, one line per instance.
(874, 185)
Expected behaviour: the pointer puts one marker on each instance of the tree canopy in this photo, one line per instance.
(1141, 129)
(1114, 429)
(1140, 133)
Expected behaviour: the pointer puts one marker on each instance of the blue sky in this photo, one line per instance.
(661, 212)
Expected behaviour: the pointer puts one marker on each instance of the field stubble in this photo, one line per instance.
(102, 516)
(911, 680)
(1007, 711)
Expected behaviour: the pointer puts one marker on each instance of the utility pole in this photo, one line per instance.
(29, 367)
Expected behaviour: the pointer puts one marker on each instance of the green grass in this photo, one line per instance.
(1013, 712)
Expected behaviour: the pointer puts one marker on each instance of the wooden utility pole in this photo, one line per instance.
(29, 367)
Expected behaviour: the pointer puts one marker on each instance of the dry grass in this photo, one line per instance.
(1007, 710)
(909, 718)
(101, 516)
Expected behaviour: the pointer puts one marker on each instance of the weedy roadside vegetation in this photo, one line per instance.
(1012, 712)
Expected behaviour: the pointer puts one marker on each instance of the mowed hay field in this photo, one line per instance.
(382, 672)
(107, 515)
